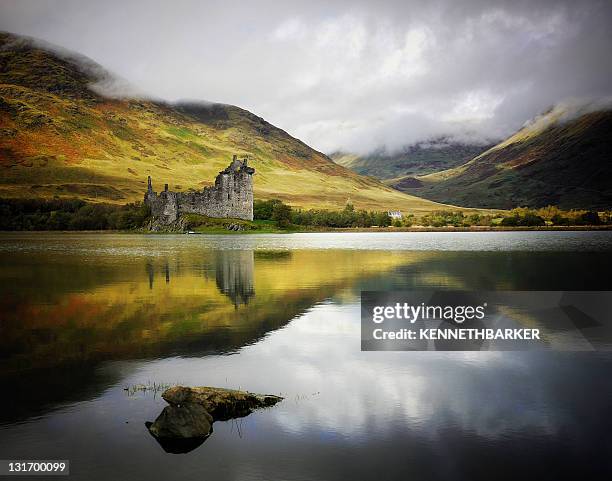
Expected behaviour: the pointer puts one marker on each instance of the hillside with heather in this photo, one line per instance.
(63, 135)
(560, 158)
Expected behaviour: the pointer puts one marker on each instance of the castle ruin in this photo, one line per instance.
(231, 196)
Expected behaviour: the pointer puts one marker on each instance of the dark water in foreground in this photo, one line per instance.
(85, 315)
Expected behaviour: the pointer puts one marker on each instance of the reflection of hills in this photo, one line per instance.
(61, 312)
(234, 275)
(475, 270)
(37, 391)
(60, 309)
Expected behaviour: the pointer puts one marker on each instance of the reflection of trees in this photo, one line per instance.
(234, 275)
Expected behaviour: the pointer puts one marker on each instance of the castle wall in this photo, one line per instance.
(230, 197)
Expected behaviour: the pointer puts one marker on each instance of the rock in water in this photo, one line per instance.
(187, 422)
(222, 404)
(184, 421)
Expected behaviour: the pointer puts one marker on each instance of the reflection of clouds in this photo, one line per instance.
(373, 392)
(331, 386)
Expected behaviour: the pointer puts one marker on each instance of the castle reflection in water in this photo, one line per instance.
(234, 277)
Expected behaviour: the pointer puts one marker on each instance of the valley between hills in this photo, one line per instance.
(561, 158)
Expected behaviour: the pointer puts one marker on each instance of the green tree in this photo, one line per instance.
(589, 218)
(558, 219)
(281, 214)
(263, 209)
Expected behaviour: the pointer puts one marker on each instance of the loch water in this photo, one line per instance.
(85, 316)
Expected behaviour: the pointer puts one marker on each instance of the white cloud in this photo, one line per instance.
(475, 105)
(346, 75)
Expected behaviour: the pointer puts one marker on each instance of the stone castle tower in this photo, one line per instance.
(231, 196)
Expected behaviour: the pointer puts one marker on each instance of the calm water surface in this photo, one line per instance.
(82, 316)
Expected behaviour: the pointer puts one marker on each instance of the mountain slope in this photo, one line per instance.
(60, 135)
(558, 159)
(418, 159)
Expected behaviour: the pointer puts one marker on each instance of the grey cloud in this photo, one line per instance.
(346, 75)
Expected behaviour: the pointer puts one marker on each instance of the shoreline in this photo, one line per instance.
(332, 230)
(475, 229)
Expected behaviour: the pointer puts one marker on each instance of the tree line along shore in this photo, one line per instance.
(275, 216)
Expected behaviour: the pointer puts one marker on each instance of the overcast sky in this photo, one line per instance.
(346, 75)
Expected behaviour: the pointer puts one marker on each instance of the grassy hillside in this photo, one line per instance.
(60, 137)
(419, 159)
(552, 161)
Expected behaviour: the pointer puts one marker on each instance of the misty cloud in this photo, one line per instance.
(346, 75)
